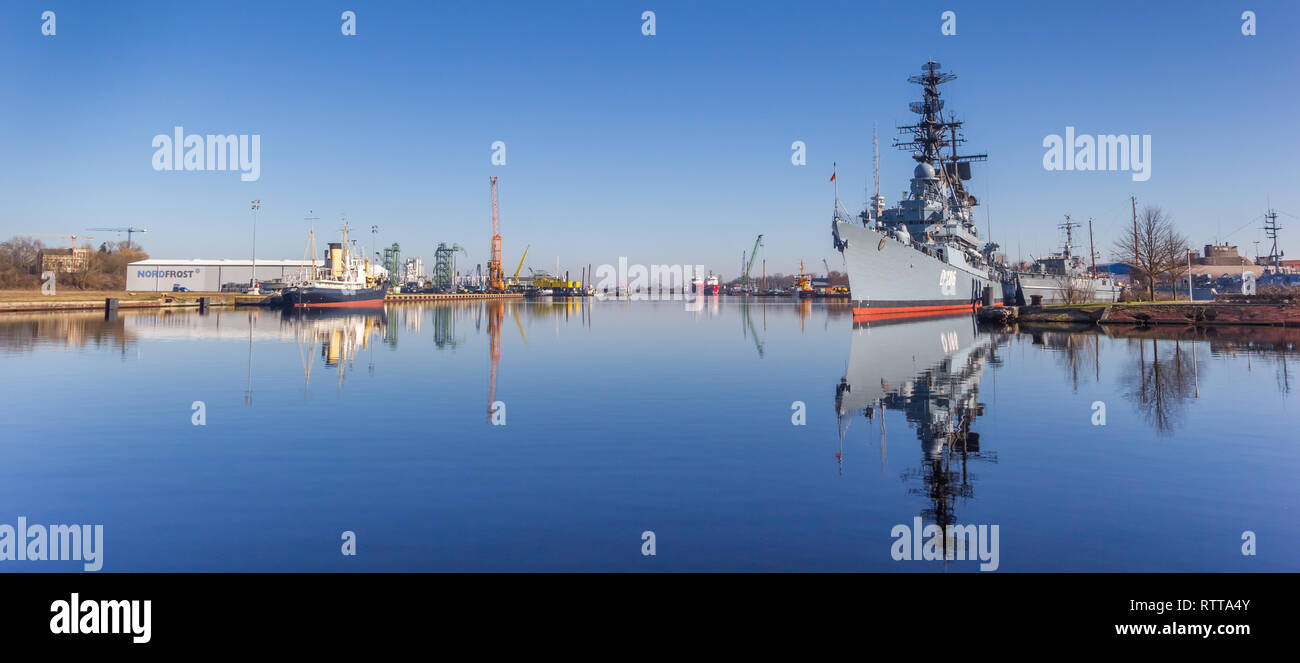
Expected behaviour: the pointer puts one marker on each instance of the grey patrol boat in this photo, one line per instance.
(923, 256)
(1064, 278)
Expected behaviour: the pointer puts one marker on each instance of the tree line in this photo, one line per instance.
(20, 267)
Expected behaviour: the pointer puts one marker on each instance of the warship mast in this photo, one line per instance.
(933, 133)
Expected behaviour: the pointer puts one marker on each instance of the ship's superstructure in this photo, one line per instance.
(923, 255)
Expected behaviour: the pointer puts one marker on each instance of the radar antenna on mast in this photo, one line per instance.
(933, 133)
(1270, 232)
(877, 201)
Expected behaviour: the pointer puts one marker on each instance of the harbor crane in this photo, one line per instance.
(73, 237)
(128, 230)
(495, 275)
(444, 270)
(744, 280)
(515, 279)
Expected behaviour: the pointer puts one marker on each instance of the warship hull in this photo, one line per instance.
(1061, 289)
(888, 278)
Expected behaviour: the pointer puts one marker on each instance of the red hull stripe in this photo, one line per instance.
(908, 311)
(356, 304)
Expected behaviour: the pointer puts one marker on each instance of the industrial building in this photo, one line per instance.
(204, 275)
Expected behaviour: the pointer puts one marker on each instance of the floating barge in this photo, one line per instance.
(1141, 314)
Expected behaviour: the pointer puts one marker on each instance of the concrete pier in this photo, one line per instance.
(125, 300)
(1150, 313)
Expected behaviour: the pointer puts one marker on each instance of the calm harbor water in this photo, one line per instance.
(623, 417)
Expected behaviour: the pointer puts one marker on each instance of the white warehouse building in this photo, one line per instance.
(204, 275)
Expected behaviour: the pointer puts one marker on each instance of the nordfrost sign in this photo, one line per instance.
(167, 273)
(165, 278)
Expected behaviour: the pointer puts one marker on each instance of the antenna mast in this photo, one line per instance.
(877, 201)
(1270, 232)
(310, 258)
(1068, 226)
(932, 133)
(1092, 250)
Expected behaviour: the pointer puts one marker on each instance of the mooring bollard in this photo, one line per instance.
(1035, 300)
(110, 304)
(203, 303)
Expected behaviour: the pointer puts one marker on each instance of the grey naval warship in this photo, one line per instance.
(1063, 278)
(923, 256)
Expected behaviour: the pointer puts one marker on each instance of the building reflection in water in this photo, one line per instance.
(23, 332)
(930, 371)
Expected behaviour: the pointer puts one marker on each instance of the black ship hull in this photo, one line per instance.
(317, 297)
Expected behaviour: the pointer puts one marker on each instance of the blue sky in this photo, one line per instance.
(673, 148)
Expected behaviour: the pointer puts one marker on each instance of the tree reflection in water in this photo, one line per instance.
(1163, 382)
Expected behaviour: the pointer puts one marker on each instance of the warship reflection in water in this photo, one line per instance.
(930, 370)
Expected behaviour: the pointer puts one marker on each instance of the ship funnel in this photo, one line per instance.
(335, 261)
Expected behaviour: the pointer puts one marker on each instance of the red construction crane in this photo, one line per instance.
(496, 276)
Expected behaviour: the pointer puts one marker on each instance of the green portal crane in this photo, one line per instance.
(393, 263)
(744, 281)
(445, 266)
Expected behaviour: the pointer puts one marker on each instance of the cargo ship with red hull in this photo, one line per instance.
(708, 287)
(345, 281)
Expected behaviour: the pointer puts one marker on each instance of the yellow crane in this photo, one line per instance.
(514, 280)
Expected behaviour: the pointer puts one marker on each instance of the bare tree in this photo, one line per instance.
(1155, 249)
(18, 268)
(1072, 290)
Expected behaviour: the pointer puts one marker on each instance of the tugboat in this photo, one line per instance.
(344, 281)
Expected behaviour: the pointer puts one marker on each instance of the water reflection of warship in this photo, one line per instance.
(930, 370)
